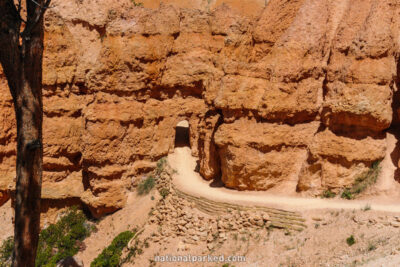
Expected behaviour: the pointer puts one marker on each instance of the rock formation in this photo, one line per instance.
(293, 96)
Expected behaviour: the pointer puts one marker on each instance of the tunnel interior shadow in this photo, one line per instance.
(182, 138)
(217, 182)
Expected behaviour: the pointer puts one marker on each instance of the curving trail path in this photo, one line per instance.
(190, 182)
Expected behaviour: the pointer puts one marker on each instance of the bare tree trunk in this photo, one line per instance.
(29, 175)
(28, 110)
(21, 57)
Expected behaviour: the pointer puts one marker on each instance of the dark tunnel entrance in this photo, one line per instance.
(182, 138)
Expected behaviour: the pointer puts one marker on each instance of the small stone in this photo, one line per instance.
(182, 228)
(182, 222)
(246, 224)
(260, 223)
(233, 226)
(395, 224)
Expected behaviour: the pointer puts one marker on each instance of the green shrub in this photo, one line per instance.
(362, 182)
(134, 250)
(110, 256)
(164, 192)
(328, 194)
(366, 207)
(161, 165)
(56, 242)
(371, 247)
(6, 251)
(146, 185)
(347, 194)
(63, 239)
(350, 240)
(136, 4)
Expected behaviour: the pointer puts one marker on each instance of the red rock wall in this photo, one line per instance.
(294, 96)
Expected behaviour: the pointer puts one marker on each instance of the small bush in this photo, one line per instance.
(362, 182)
(56, 242)
(328, 194)
(164, 192)
(235, 236)
(161, 165)
(63, 239)
(133, 251)
(367, 207)
(350, 240)
(371, 247)
(6, 251)
(146, 185)
(347, 194)
(110, 256)
(136, 4)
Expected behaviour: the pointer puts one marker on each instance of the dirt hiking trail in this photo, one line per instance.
(190, 182)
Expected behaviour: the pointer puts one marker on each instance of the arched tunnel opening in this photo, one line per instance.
(182, 134)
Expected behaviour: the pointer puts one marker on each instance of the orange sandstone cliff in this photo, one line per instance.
(279, 95)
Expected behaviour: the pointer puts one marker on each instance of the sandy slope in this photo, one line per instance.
(133, 215)
(191, 182)
(6, 225)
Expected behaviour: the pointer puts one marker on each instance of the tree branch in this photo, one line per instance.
(40, 10)
(9, 40)
(19, 7)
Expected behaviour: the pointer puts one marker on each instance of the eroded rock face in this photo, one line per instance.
(292, 96)
(260, 156)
